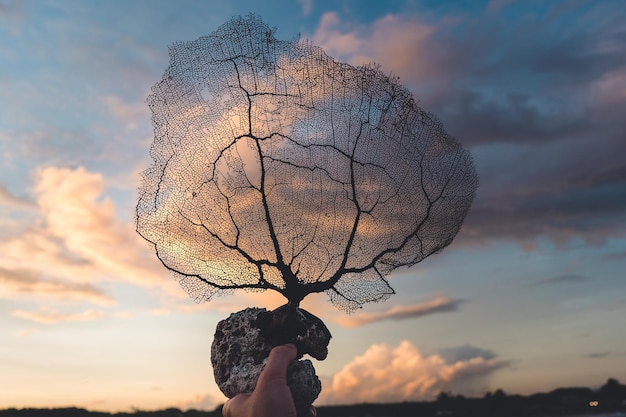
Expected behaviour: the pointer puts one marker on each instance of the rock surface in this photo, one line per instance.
(297, 326)
(243, 341)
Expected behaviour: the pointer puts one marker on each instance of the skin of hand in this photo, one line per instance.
(271, 397)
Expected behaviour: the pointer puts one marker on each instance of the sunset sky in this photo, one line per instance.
(530, 296)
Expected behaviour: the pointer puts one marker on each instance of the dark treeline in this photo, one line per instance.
(80, 412)
(611, 397)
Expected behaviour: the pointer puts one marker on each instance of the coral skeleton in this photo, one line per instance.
(277, 167)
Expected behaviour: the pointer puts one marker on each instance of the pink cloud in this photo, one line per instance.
(76, 213)
(436, 305)
(132, 114)
(385, 374)
(8, 199)
(75, 243)
(610, 89)
(401, 44)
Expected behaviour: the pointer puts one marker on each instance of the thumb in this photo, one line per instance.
(233, 407)
(275, 371)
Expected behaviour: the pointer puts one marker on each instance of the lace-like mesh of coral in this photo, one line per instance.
(277, 167)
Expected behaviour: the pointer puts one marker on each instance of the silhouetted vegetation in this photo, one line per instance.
(79, 412)
(611, 397)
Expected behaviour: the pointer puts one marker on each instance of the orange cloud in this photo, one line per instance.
(29, 282)
(385, 374)
(47, 316)
(436, 305)
(75, 212)
(77, 243)
(74, 242)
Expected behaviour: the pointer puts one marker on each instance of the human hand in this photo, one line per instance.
(272, 396)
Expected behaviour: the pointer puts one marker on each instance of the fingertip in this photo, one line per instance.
(288, 351)
(226, 409)
(279, 359)
(310, 411)
(232, 406)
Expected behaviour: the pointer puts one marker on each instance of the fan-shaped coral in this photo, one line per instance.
(278, 167)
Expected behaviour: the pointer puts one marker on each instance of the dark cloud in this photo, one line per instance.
(570, 188)
(616, 255)
(464, 353)
(562, 279)
(531, 80)
(477, 119)
(436, 305)
(24, 281)
(597, 355)
(554, 208)
(540, 100)
(536, 90)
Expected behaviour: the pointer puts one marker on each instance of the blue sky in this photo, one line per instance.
(530, 296)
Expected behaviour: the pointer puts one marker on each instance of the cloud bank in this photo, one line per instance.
(539, 118)
(73, 247)
(404, 373)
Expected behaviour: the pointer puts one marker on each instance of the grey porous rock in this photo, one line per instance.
(244, 340)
